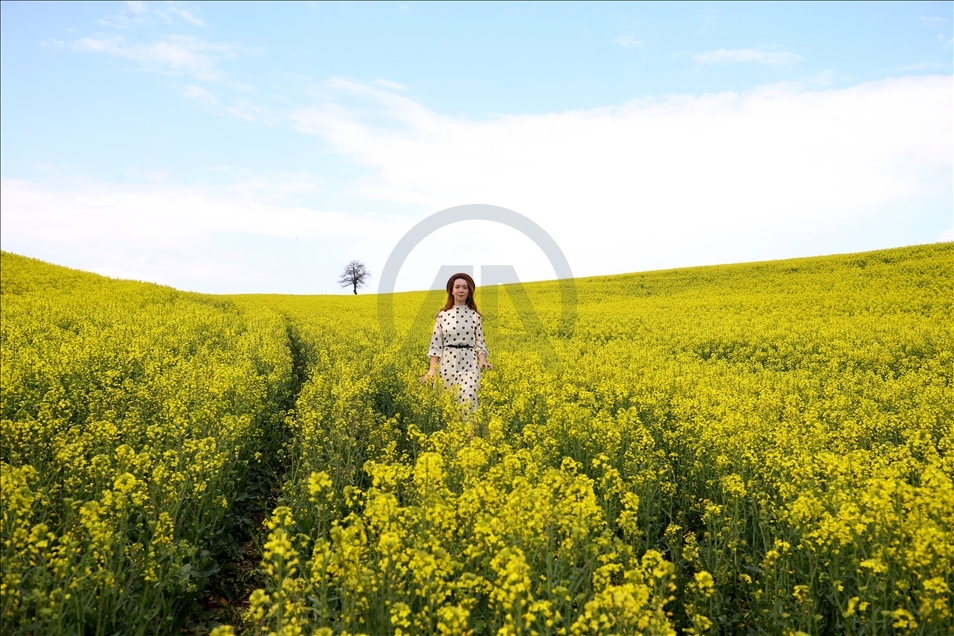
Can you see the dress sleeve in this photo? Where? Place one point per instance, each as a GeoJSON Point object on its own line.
{"type": "Point", "coordinates": [437, 339]}
{"type": "Point", "coordinates": [480, 346]}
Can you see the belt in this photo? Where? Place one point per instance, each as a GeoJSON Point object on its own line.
{"type": "Point", "coordinates": [456, 346]}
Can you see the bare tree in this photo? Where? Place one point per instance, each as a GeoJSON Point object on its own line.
{"type": "Point", "coordinates": [355, 275]}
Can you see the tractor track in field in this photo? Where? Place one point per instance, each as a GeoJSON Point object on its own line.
{"type": "Point", "coordinates": [225, 598]}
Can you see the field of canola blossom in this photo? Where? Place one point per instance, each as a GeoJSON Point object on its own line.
{"type": "Point", "coordinates": [132, 416]}
{"type": "Point", "coordinates": [761, 448]}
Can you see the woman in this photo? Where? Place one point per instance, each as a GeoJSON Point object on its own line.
{"type": "Point", "coordinates": [457, 350]}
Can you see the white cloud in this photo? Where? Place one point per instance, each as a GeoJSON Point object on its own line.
{"type": "Point", "coordinates": [920, 66]}
{"type": "Point", "coordinates": [654, 183]}
{"type": "Point", "coordinates": [200, 95]}
{"type": "Point", "coordinates": [139, 13]}
{"type": "Point", "coordinates": [134, 13]}
{"type": "Point", "coordinates": [822, 78]}
{"type": "Point", "coordinates": [192, 238]}
{"type": "Point", "coordinates": [177, 54]}
{"type": "Point", "coordinates": [181, 12]}
{"type": "Point", "coordinates": [759, 56]}
{"type": "Point", "coordinates": [394, 86]}
{"type": "Point", "coordinates": [946, 236]}
{"type": "Point", "coordinates": [627, 41]}
{"type": "Point", "coordinates": [234, 239]}
{"type": "Point", "coordinates": [62, 211]}
{"type": "Point", "coordinates": [933, 21]}
{"type": "Point", "coordinates": [252, 113]}
{"type": "Point", "coordinates": [709, 22]}
{"type": "Point", "coordinates": [667, 182]}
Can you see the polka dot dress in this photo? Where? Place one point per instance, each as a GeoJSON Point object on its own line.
{"type": "Point", "coordinates": [458, 338]}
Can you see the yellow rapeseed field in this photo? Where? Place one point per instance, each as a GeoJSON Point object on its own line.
{"type": "Point", "coordinates": [762, 448]}
{"type": "Point", "coordinates": [130, 415]}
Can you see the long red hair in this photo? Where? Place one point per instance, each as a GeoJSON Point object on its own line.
{"type": "Point", "coordinates": [450, 292]}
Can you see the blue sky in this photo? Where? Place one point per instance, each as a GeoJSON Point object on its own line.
{"type": "Point", "coordinates": [259, 147]}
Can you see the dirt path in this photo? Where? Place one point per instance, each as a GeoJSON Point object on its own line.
{"type": "Point", "coordinates": [224, 599]}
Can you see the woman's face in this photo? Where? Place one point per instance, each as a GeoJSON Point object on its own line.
{"type": "Point", "coordinates": [460, 290]}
